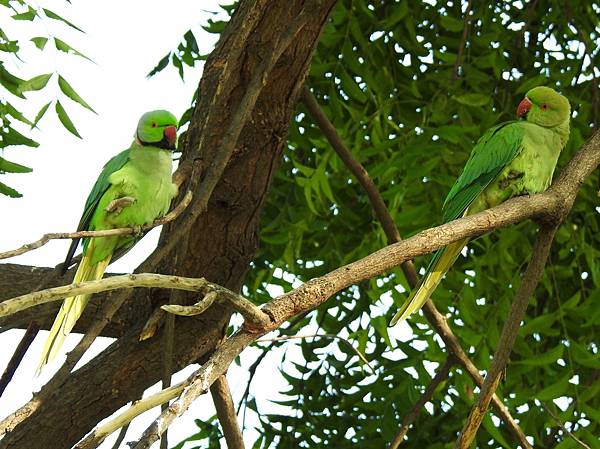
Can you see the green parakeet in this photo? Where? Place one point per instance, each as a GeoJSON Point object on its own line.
{"type": "Point", "coordinates": [133, 189]}
{"type": "Point", "coordinates": [510, 159]}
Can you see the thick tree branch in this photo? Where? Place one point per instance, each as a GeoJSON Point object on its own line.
{"type": "Point", "coordinates": [103, 233]}
{"type": "Point", "coordinates": [439, 377]}
{"type": "Point", "coordinates": [532, 276]}
{"type": "Point", "coordinates": [221, 396]}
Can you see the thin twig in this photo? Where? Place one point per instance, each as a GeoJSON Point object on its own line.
{"type": "Point", "coordinates": [253, 316]}
{"type": "Point", "coordinates": [439, 377]}
{"type": "Point", "coordinates": [463, 40]}
{"type": "Point", "coordinates": [15, 360]}
{"type": "Point", "coordinates": [102, 233]}
{"type": "Point", "coordinates": [195, 309]}
{"type": "Point", "coordinates": [435, 318]}
{"type": "Point", "coordinates": [121, 436]}
{"type": "Point", "coordinates": [221, 395]}
{"type": "Point", "coordinates": [532, 276]}
{"type": "Point", "coordinates": [564, 429]}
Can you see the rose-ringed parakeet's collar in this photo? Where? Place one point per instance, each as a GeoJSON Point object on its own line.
{"type": "Point", "coordinates": [157, 129]}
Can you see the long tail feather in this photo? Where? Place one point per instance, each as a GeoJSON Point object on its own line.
{"type": "Point", "coordinates": [71, 309]}
{"type": "Point", "coordinates": [431, 280]}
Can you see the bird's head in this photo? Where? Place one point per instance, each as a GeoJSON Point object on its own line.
{"type": "Point", "coordinates": [157, 129]}
{"type": "Point", "coordinates": [545, 107]}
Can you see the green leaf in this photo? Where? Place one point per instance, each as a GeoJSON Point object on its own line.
{"type": "Point", "coordinates": [555, 390]}
{"type": "Point", "coordinates": [10, 109]}
{"type": "Point", "coordinates": [476, 100]}
{"type": "Point", "coordinates": [30, 14]}
{"type": "Point", "coordinates": [8, 191]}
{"type": "Point", "coordinates": [160, 66]}
{"type": "Point", "coordinates": [40, 42]}
{"type": "Point", "coordinates": [494, 432]}
{"type": "Point", "coordinates": [63, 46]}
{"type": "Point", "coordinates": [452, 24]}
{"type": "Point", "coordinates": [14, 137]}
{"type": "Point", "coordinates": [10, 82]}
{"type": "Point", "coordinates": [53, 15]}
{"type": "Point", "coordinates": [40, 114]}
{"type": "Point", "coordinates": [65, 120]}
{"type": "Point", "coordinates": [544, 359]}
{"type": "Point", "coordinates": [35, 83]}
{"type": "Point", "coordinates": [12, 167]}
{"type": "Point", "coordinates": [70, 92]}
{"type": "Point", "coordinates": [351, 88]}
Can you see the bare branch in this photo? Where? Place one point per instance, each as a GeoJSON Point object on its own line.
{"type": "Point", "coordinates": [439, 377]}
{"type": "Point", "coordinates": [557, 420]}
{"type": "Point", "coordinates": [221, 395]}
{"type": "Point", "coordinates": [510, 330]}
{"type": "Point", "coordinates": [194, 309]}
{"type": "Point", "coordinates": [103, 233]}
{"type": "Point", "coordinates": [150, 280]}
{"type": "Point", "coordinates": [15, 360]}
{"type": "Point", "coordinates": [99, 434]}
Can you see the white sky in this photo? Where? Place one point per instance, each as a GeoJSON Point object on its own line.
{"type": "Point", "coordinates": [125, 39]}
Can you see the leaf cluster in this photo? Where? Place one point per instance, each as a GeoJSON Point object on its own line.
{"type": "Point", "coordinates": [14, 88]}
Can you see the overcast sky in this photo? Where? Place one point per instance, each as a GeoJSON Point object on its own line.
{"type": "Point", "coordinates": [125, 40]}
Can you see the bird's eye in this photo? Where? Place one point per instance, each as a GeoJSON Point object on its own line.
{"type": "Point", "coordinates": [153, 124]}
{"type": "Point", "coordinates": [544, 106]}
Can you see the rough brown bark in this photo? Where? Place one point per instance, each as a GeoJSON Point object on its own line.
{"type": "Point", "coordinates": [223, 240]}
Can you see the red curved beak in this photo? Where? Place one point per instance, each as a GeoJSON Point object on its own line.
{"type": "Point", "coordinates": [171, 134]}
{"type": "Point", "coordinates": [524, 107]}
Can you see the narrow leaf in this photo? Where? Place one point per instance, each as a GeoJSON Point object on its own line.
{"type": "Point", "coordinates": [70, 92]}
{"type": "Point", "coordinates": [40, 42]}
{"type": "Point", "coordinates": [11, 110]}
{"type": "Point", "coordinates": [53, 15]}
{"type": "Point", "coordinates": [36, 83]}
{"type": "Point", "coordinates": [40, 114]}
{"type": "Point", "coordinates": [160, 66]}
{"type": "Point", "coordinates": [14, 137]}
{"type": "Point", "coordinates": [29, 15]}
{"type": "Point", "coordinates": [8, 191]}
{"type": "Point", "coordinates": [63, 46]}
{"type": "Point", "coordinates": [65, 120]}
{"type": "Point", "coordinates": [472, 99]}
{"type": "Point", "coordinates": [10, 82]}
{"type": "Point", "coordinates": [12, 167]}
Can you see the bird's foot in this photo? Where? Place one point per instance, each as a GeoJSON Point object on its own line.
{"type": "Point", "coordinates": [118, 204]}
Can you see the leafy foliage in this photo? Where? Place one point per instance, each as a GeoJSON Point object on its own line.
{"type": "Point", "coordinates": [15, 88]}
{"type": "Point", "coordinates": [410, 86]}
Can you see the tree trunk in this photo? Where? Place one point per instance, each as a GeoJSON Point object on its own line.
{"type": "Point", "coordinates": [223, 240]}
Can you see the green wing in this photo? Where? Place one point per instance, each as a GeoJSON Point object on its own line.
{"type": "Point", "coordinates": [491, 154]}
{"type": "Point", "coordinates": [99, 189]}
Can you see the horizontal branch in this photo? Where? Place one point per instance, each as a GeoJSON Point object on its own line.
{"type": "Point", "coordinates": [149, 280]}
{"type": "Point", "coordinates": [102, 233]}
